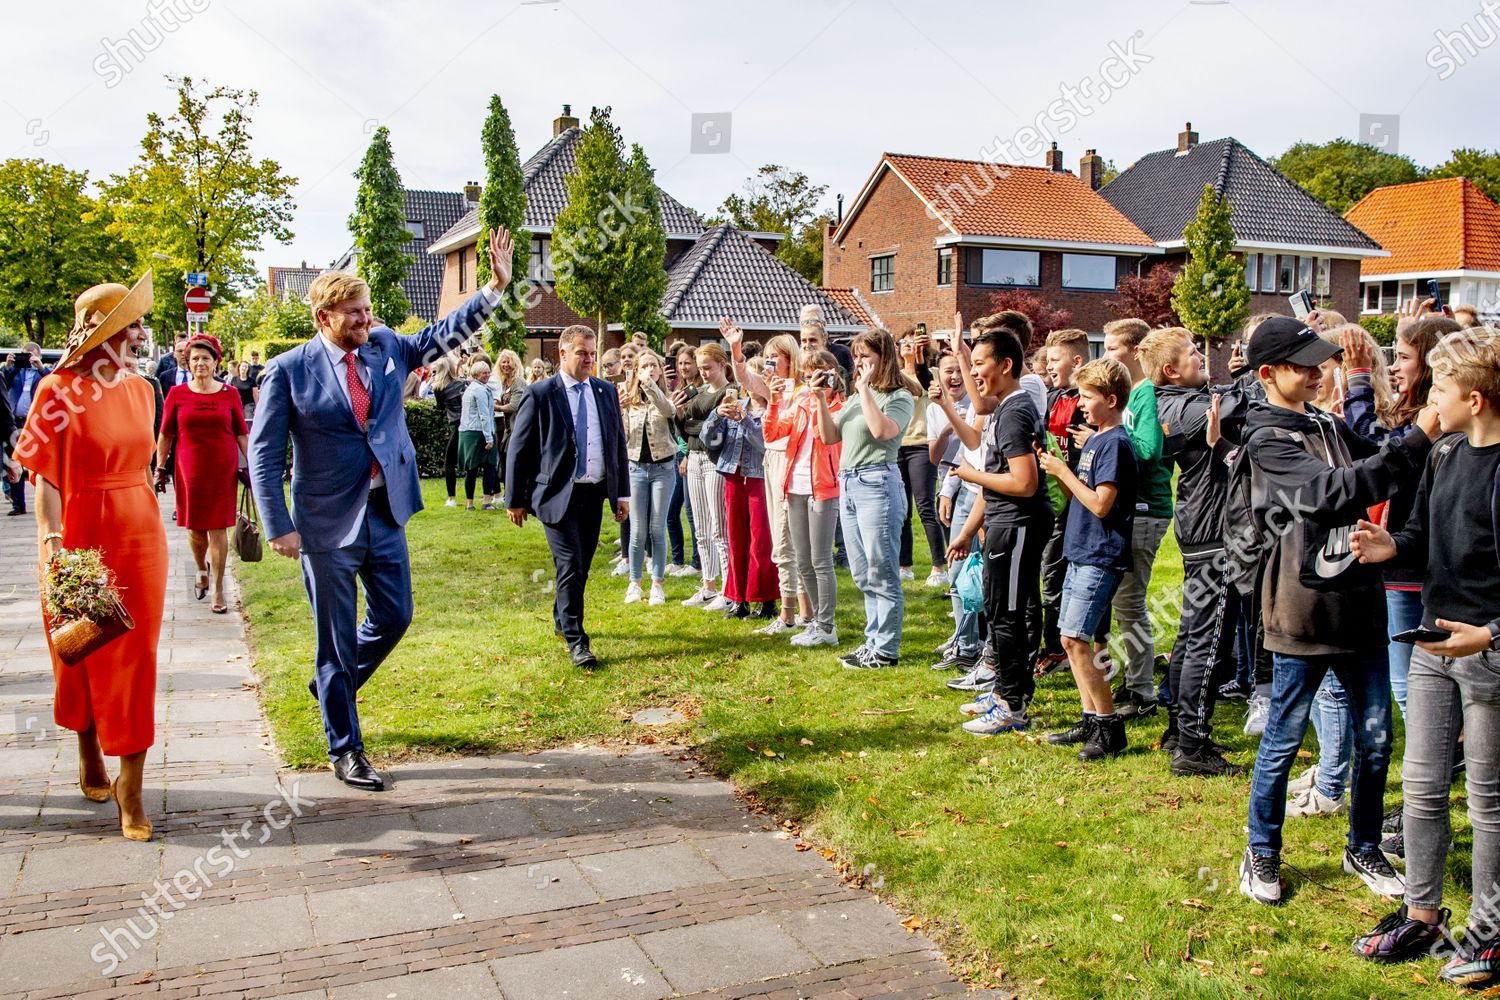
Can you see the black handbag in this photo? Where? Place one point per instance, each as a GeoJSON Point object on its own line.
{"type": "Point", "coordinates": [247, 541]}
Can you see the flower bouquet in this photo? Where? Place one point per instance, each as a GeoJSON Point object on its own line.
{"type": "Point", "coordinates": [82, 606]}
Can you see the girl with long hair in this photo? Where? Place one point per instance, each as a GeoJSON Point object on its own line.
{"type": "Point", "coordinates": [652, 450]}
{"type": "Point", "coordinates": [705, 485]}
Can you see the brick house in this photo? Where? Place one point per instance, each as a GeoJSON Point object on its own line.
{"type": "Point", "coordinates": [1446, 231]}
{"type": "Point", "coordinates": [928, 235]}
{"type": "Point", "coordinates": [290, 282]}
{"type": "Point", "coordinates": [428, 214]}
{"type": "Point", "coordinates": [1289, 240]}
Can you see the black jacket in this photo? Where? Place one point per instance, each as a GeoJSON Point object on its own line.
{"type": "Point", "coordinates": [1312, 480]}
{"type": "Point", "coordinates": [1203, 471]}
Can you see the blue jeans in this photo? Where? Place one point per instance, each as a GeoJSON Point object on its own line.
{"type": "Point", "coordinates": [966, 623]}
{"type": "Point", "coordinates": [1331, 721]}
{"type": "Point", "coordinates": [674, 517]}
{"type": "Point", "coordinates": [1294, 684]}
{"type": "Point", "coordinates": [650, 491]}
{"type": "Point", "coordinates": [1086, 593]}
{"type": "Point", "coordinates": [1403, 609]}
{"type": "Point", "coordinates": [873, 504]}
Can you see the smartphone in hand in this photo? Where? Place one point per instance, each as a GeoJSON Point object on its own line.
{"type": "Point", "coordinates": [1420, 634]}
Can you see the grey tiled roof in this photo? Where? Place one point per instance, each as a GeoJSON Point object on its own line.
{"type": "Point", "coordinates": [1160, 194]}
{"type": "Point", "coordinates": [292, 282]}
{"type": "Point", "coordinates": [545, 180]}
{"type": "Point", "coordinates": [437, 211]}
{"type": "Point", "coordinates": [728, 273]}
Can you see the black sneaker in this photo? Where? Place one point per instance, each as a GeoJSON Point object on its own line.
{"type": "Point", "coordinates": [952, 659]}
{"type": "Point", "coordinates": [1376, 872]}
{"type": "Point", "coordinates": [1260, 877]}
{"type": "Point", "coordinates": [1134, 706]}
{"type": "Point", "coordinates": [1048, 663]}
{"type": "Point", "coordinates": [1476, 961]}
{"type": "Point", "coordinates": [1399, 938]}
{"type": "Point", "coordinates": [1205, 763]}
{"type": "Point", "coordinates": [766, 611]}
{"type": "Point", "coordinates": [866, 658]}
{"type": "Point", "coordinates": [1072, 737]}
{"type": "Point", "coordinates": [1107, 739]}
{"type": "Point", "coordinates": [737, 609]}
{"type": "Point", "coordinates": [1234, 691]}
{"type": "Point", "coordinates": [1391, 821]}
{"type": "Point", "coordinates": [1169, 739]}
{"type": "Point", "coordinates": [1394, 846]}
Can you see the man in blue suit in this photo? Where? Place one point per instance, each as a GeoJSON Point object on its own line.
{"type": "Point", "coordinates": [566, 457]}
{"type": "Point", "coordinates": [354, 482]}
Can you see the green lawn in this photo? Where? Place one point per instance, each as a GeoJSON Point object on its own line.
{"type": "Point", "coordinates": [1034, 871]}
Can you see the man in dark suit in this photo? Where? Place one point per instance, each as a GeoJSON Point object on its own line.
{"type": "Point", "coordinates": [337, 398]}
{"type": "Point", "coordinates": [566, 457]}
{"type": "Point", "coordinates": [172, 369]}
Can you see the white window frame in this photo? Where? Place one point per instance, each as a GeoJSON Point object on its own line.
{"type": "Point", "coordinates": [1114, 270]}
{"type": "Point", "coordinates": [1252, 271]}
{"type": "Point", "coordinates": [1365, 308]}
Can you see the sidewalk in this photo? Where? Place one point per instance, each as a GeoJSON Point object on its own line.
{"type": "Point", "coordinates": [580, 873]}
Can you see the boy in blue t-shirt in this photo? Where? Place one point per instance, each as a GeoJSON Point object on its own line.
{"type": "Point", "coordinates": [1097, 548]}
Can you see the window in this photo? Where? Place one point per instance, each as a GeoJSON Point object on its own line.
{"type": "Point", "coordinates": [416, 228]}
{"type": "Point", "coordinates": [1324, 282]}
{"type": "Point", "coordinates": [539, 260]}
{"type": "Point", "coordinates": [882, 273]}
{"type": "Point", "coordinates": [1004, 267]}
{"type": "Point", "coordinates": [1268, 272]}
{"type": "Point", "coordinates": [1286, 274]}
{"type": "Point", "coordinates": [1090, 272]}
{"type": "Point", "coordinates": [463, 263]}
{"type": "Point", "coordinates": [1305, 273]}
{"type": "Point", "coordinates": [1405, 292]}
{"type": "Point", "coordinates": [1252, 271]}
{"type": "Point", "coordinates": [1372, 298]}
{"type": "Point", "coordinates": [945, 266]}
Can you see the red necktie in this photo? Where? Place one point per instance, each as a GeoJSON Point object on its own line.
{"type": "Point", "coordinates": [359, 397]}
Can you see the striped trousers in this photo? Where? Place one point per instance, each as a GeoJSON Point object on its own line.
{"type": "Point", "coordinates": [706, 494]}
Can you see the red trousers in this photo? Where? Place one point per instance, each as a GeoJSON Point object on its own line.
{"type": "Point", "coordinates": [751, 575]}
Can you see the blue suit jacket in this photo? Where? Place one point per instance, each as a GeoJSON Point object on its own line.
{"type": "Point", "coordinates": [301, 398]}
{"type": "Point", "coordinates": [540, 460]}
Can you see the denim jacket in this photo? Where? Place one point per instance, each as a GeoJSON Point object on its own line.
{"type": "Point", "coordinates": [738, 445]}
{"type": "Point", "coordinates": [479, 411]}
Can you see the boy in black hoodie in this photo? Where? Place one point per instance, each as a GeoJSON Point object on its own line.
{"type": "Point", "coordinates": [1311, 481]}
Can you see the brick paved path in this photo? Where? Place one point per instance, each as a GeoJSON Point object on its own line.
{"type": "Point", "coordinates": [579, 874]}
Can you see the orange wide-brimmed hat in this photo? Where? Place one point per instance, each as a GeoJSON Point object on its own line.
{"type": "Point", "coordinates": [103, 311]}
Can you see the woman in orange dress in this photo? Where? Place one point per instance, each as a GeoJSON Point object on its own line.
{"type": "Point", "coordinates": [88, 443]}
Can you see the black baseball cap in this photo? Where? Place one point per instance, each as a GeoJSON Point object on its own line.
{"type": "Point", "coordinates": [1284, 340]}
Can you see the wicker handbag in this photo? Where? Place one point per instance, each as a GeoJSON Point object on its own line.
{"type": "Point", "coordinates": [247, 541]}
{"type": "Point", "coordinates": [78, 637]}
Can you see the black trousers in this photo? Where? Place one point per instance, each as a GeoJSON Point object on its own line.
{"type": "Point", "coordinates": [1203, 656]}
{"type": "Point", "coordinates": [1012, 573]}
{"type": "Point", "coordinates": [573, 542]}
{"type": "Point", "coordinates": [450, 463]}
{"type": "Point", "coordinates": [919, 477]}
{"type": "Point", "coordinates": [489, 474]}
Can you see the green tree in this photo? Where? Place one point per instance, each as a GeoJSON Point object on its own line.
{"type": "Point", "coordinates": [781, 200]}
{"type": "Point", "coordinates": [197, 199]}
{"type": "Point", "coordinates": [644, 250]}
{"type": "Point", "coordinates": [1479, 166]}
{"type": "Point", "coordinates": [503, 203]}
{"type": "Point", "coordinates": [590, 266]}
{"type": "Point", "coordinates": [378, 224]}
{"type": "Point", "coordinates": [54, 243]}
{"type": "Point", "coordinates": [1339, 173]}
{"type": "Point", "coordinates": [1210, 294]}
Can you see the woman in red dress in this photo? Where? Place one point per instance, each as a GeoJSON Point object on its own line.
{"type": "Point", "coordinates": [88, 443]}
{"type": "Point", "coordinates": [206, 418]}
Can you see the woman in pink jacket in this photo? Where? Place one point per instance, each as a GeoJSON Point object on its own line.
{"type": "Point", "coordinates": [812, 487]}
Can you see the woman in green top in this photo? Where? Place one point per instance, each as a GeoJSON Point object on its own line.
{"type": "Point", "coordinates": [705, 485]}
{"type": "Point", "coordinates": [872, 498]}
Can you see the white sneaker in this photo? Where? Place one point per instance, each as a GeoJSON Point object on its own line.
{"type": "Point", "coordinates": [776, 627]}
{"type": "Point", "coordinates": [1260, 878]}
{"type": "Point", "coordinates": [717, 604]}
{"type": "Point", "coordinates": [1302, 782]}
{"type": "Point", "coordinates": [1312, 802]}
{"type": "Point", "coordinates": [450, 502]}
{"type": "Point", "coordinates": [814, 635]}
{"type": "Point", "coordinates": [621, 568]}
{"type": "Point", "coordinates": [633, 592]}
{"type": "Point", "coordinates": [683, 571]}
{"type": "Point", "coordinates": [937, 578]}
{"type": "Point", "coordinates": [658, 596]}
{"type": "Point", "coordinates": [907, 575]}
{"type": "Point", "coordinates": [699, 599]}
{"type": "Point", "coordinates": [1258, 716]}
{"type": "Point", "coordinates": [615, 542]}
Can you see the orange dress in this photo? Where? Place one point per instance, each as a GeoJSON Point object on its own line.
{"type": "Point", "coordinates": [93, 442]}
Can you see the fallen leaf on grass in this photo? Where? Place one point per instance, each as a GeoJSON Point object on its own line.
{"type": "Point", "coordinates": [770, 753]}
{"type": "Point", "coordinates": [886, 711]}
{"type": "Point", "coordinates": [804, 741]}
{"type": "Point", "coordinates": [912, 924]}
{"type": "Point", "coordinates": [1417, 977]}
{"type": "Point", "coordinates": [1196, 904]}
{"type": "Point", "coordinates": [803, 847]}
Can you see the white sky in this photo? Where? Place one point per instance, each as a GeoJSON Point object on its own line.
{"type": "Point", "coordinates": [820, 85]}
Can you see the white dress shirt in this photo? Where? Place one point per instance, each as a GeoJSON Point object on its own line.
{"type": "Point", "coordinates": [583, 407]}
{"type": "Point", "coordinates": [335, 355]}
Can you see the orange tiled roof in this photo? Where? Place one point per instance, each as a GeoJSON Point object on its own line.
{"type": "Point", "coordinates": [1441, 225]}
{"type": "Point", "coordinates": [983, 199]}
{"type": "Point", "coordinates": [850, 300]}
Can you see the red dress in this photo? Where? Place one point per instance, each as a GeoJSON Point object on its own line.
{"type": "Point", "coordinates": [94, 444]}
{"type": "Point", "coordinates": [208, 456]}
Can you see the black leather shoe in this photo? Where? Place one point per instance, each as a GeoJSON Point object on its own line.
{"type": "Point", "coordinates": [312, 687]}
{"type": "Point", "coordinates": [737, 609]}
{"type": "Point", "coordinates": [355, 770]}
{"type": "Point", "coordinates": [766, 611]}
{"type": "Point", "coordinates": [582, 656]}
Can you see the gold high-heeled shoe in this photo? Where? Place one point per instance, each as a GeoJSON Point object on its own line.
{"type": "Point", "coordinates": [130, 831]}
{"type": "Point", "coordinates": [93, 793]}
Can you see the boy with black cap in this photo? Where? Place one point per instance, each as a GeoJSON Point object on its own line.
{"type": "Point", "coordinates": [1311, 480]}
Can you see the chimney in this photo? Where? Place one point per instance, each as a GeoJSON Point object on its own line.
{"type": "Point", "coordinates": [471, 192]}
{"type": "Point", "coordinates": [564, 121]}
{"type": "Point", "coordinates": [304, 265]}
{"type": "Point", "coordinates": [1091, 169]}
{"type": "Point", "coordinates": [841, 208]}
{"type": "Point", "coordinates": [1187, 138]}
{"type": "Point", "coordinates": [1054, 159]}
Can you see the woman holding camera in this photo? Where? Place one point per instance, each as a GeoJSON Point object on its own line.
{"type": "Point", "coordinates": [705, 486]}
{"type": "Point", "coordinates": [652, 450]}
{"type": "Point", "coordinates": [870, 426]}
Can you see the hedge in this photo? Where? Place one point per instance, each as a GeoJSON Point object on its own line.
{"type": "Point", "coordinates": [429, 433]}
{"type": "Point", "coordinates": [275, 347]}
{"type": "Point", "coordinates": [1382, 328]}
